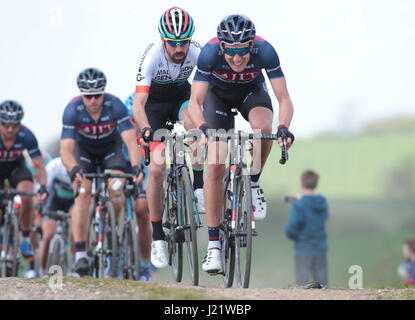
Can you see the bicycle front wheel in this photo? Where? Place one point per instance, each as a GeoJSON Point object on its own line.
{"type": "Point", "coordinates": [243, 232]}
{"type": "Point", "coordinates": [189, 224]}
{"type": "Point", "coordinates": [226, 238]}
{"type": "Point", "coordinates": [108, 259]}
{"type": "Point", "coordinates": [10, 249]}
{"type": "Point", "coordinates": [173, 235]}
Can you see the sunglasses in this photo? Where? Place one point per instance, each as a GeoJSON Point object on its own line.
{"type": "Point", "coordinates": [90, 96]}
{"type": "Point", "coordinates": [240, 51]}
{"type": "Point", "coordinates": [8, 125]}
{"type": "Point", "coordinates": [176, 43]}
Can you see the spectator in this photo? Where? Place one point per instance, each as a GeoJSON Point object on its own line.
{"type": "Point", "coordinates": [306, 227]}
{"type": "Point", "coordinates": [406, 269]}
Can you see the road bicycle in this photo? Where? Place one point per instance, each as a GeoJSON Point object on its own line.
{"type": "Point", "coordinates": [58, 253]}
{"type": "Point", "coordinates": [237, 226]}
{"type": "Point", "coordinates": [10, 244]}
{"type": "Point", "coordinates": [180, 216]}
{"type": "Point", "coordinates": [102, 236]}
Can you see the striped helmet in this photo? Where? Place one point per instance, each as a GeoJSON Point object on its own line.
{"type": "Point", "coordinates": [176, 24]}
{"type": "Point", "coordinates": [236, 29]}
{"type": "Point", "coordinates": [11, 111]}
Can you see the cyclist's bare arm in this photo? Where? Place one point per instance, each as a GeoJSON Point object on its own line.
{"type": "Point", "coordinates": [139, 111]}
{"type": "Point", "coordinates": [40, 170]}
{"type": "Point", "coordinates": [129, 138]}
{"type": "Point", "coordinates": [197, 96]}
{"type": "Point", "coordinates": [67, 150]}
{"type": "Point", "coordinates": [286, 109]}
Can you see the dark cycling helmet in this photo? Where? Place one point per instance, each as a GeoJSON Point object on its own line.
{"type": "Point", "coordinates": [236, 29]}
{"type": "Point", "coordinates": [11, 111]}
{"type": "Point", "coordinates": [176, 24]}
{"type": "Point", "coordinates": [91, 79]}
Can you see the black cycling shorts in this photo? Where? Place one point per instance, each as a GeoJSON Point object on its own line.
{"type": "Point", "coordinates": [16, 173]}
{"type": "Point", "coordinates": [218, 104]}
{"type": "Point", "coordinates": [159, 111]}
{"type": "Point", "coordinates": [105, 157]}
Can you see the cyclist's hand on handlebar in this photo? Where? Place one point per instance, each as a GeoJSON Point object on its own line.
{"type": "Point", "coordinates": [284, 133]}
{"type": "Point", "coordinates": [77, 176]}
{"type": "Point", "coordinates": [42, 193]}
{"type": "Point", "coordinates": [138, 175]}
{"type": "Point", "coordinates": [145, 137]}
{"type": "Point", "coordinates": [204, 136]}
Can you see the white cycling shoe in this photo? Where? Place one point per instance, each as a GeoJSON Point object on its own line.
{"type": "Point", "coordinates": [212, 262]}
{"type": "Point", "coordinates": [159, 254]}
{"type": "Point", "coordinates": [259, 203]}
{"type": "Point", "coordinates": [200, 200]}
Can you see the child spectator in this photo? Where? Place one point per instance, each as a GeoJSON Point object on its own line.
{"type": "Point", "coordinates": [406, 269]}
{"type": "Point", "coordinates": [306, 227]}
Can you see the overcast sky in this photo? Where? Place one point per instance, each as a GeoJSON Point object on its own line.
{"type": "Point", "coordinates": [346, 62]}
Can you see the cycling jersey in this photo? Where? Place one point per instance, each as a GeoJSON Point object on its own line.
{"type": "Point", "coordinates": [58, 180]}
{"type": "Point", "coordinates": [10, 158]}
{"type": "Point", "coordinates": [212, 66]}
{"type": "Point", "coordinates": [79, 125]}
{"type": "Point", "coordinates": [160, 78]}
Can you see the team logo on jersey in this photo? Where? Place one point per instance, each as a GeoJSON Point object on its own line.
{"type": "Point", "coordinates": [96, 131]}
{"type": "Point", "coordinates": [10, 155]}
{"type": "Point", "coordinates": [242, 77]}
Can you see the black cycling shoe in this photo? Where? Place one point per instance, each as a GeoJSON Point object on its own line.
{"type": "Point", "coordinates": [82, 267]}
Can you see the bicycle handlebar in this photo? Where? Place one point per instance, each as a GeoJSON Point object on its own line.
{"type": "Point", "coordinates": [15, 192]}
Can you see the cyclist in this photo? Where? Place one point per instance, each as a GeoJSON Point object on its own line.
{"type": "Point", "coordinates": [90, 140]}
{"type": "Point", "coordinates": [14, 139]}
{"type": "Point", "coordinates": [162, 93]}
{"type": "Point", "coordinates": [60, 197]}
{"type": "Point", "coordinates": [30, 272]}
{"type": "Point", "coordinates": [141, 208]}
{"type": "Point", "coordinates": [229, 75]}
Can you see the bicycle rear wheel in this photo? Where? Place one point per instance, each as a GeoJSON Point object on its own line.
{"type": "Point", "coordinates": [243, 232]}
{"type": "Point", "coordinates": [130, 246]}
{"type": "Point", "coordinates": [174, 243]}
{"type": "Point", "coordinates": [189, 223]}
{"type": "Point", "coordinates": [54, 253]}
{"type": "Point", "coordinates": [109, 252]}
{"type": "Point", "coordinates": [226, 237]}
{"type": "Point", "coordinates": [10, 259]}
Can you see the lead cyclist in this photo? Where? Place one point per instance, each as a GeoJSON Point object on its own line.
{"type": "Point", "coordinates": [162, 93]}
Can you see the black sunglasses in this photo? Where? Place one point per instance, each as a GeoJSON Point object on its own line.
{"type": "Point", "coordinates": [8, 125]}
{"type": "Point", "coordinates": [90, 96]}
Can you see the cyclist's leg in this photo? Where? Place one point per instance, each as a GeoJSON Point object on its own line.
{"type": "Point", "coordinates": [21, 179]}
{"type": "Point", "coordinates": [219, 117]}
{"type": "Point", "coordinates": [113, 159]}
{"type": "Point", "coordinates": [80, 218]}
{"type": "Point", "coordinates": [257, 109]}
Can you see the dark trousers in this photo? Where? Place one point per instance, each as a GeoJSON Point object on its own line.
{"type": "Point", "coordinates": [307, 267]}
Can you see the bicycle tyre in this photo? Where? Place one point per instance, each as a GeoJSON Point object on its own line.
{"type": "Point", "coordinates": [109, 223]}
{"type": "Point", "coordinates": [130, 245]}
{"type": "Point", "coordinates": [92, 242]}
{"type": "Point", "coordinates": [189, 222]}
{"type": "Point", "coordinates": [243, 232]}
{"type": "Point", "coordinates": [226, 237]}
{"type": "Point", "coordinates": [170, 216]}
{"type": "Point", "coordinates": [54, 254]}
{"type": "Point", "coordinates": [10, 264]}
{"type": "Point", "coordinates": [136, 247]}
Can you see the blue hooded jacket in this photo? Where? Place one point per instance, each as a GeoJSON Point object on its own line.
{"type": "Point", "coordinates": [306, 225]}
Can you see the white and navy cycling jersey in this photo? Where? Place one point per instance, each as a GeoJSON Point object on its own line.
{"type": "Point", "coordinates": [79, 125]}
{"type": "Point", "coordinates": [25, 139]}
{"type": "Point", "coordinates": [161, 78]}
{"type": "Point", "coordinates": [58, 180]}
{"type": "Point", "coordinates": [213, 68]}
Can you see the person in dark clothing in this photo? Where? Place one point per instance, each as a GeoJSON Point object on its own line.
{"type": "Point", "coordinates": [306, 227]}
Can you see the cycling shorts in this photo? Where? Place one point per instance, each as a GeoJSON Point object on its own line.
{"type": "Point", "coordinates": [105, 157]}
{"type": "Point", "coordinates": [17, 173]}
{"type": "Point", "coordinates": [218, 104]}
{"type": "Point", "coordinates": [55, 203]}
{"type": "Point", "coordinates": [160, 111]}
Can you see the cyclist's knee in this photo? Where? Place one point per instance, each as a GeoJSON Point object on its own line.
{"type": "Point", "coordinates": [215, 171]}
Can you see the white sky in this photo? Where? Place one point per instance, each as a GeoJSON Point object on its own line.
{"type": "Point", "coordinates": [346, 62]}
